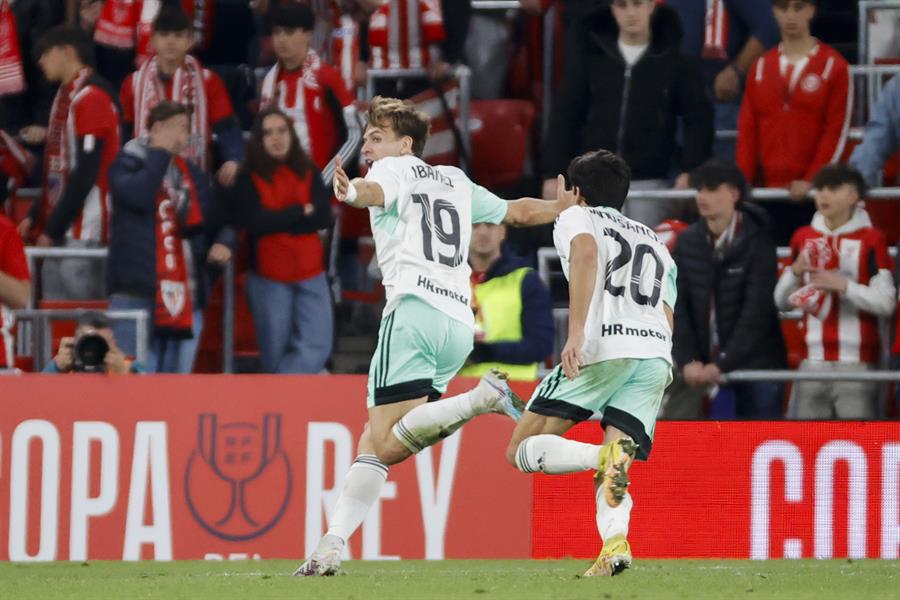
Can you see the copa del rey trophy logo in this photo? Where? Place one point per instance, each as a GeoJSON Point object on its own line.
{"type": "Point", "coordinates": [238, 479]}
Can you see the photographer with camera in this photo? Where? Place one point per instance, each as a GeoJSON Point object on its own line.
{"type": "Point", "coordinates": [92, 350]}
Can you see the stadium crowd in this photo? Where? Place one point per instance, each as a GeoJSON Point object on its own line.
{"type": "Point", "coordinates": [188, 135]}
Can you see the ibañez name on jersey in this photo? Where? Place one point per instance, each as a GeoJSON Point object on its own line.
{"type": "Point", "coordinates": [428, 172]}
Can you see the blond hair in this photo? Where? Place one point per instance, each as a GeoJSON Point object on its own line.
{"type": "Point", "coordinates": [403, 118]}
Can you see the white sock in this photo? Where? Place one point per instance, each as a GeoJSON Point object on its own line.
{"type": "Point", "coordinates": [361, 489]}
{"type": "Point", "coordinates": [612, 520]}
{"type": "Point", "coordinates": [429, 423]}
{"type": "Point", "coordinates": [553, 455]}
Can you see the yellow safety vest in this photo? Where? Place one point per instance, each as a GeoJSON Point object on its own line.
{"type": "Point", "coordinates": [499, 302]}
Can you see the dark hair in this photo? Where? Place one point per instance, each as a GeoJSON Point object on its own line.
{"type": "Point", "coordinates": [291, 16]}
{"type": "Point", "coordinates": [165, 110]}
{"type": "Point", "coordinates": [95, 319]}
{"type": "Point", "coordinates": [713, 173]}
{"type": "Point", "coordinates": [835, 175]}
{"type": "Point", "coordinates": [401, 116]}
{"type": "Point", "coordinates": [65, 35]}
{"type": "Point", "coordinates": [783, 3]}
{"type": "Point", "coordinates": [260, 162]}
{"type": "Point", "coordinates": [602, 178]}
{"type": "Point", "coordinates": [171, 19]}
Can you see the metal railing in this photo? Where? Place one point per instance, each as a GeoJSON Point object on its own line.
{"type": "Point", "coordinates": [763, 194]}
{"type": "Point", "coordinates": [41, 337]}
{"type": "Point", "coordinates": [496, 5]}
{"type": "Point", "coordinates": [462, 74]}
{"type": "Point", "coordinates": [788, 375]}
{"type": "Point", "coordinates": [35, 254]}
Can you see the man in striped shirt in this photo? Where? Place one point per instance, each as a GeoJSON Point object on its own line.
{"type": "Point", "coordinates": [310, 91]}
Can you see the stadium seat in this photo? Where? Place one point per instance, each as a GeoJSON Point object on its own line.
{"type": "Point", "coordinates": [500, 139]}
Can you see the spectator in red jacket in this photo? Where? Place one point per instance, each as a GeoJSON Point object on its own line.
{"type": "Point", "coordinates": [282, 202]}
{"type": "Point", "coordinates": [15, 285]}
{"type": "Point", "coordinates": [841, 279]}
{"type": "Point", "coordinates": [796, 111]}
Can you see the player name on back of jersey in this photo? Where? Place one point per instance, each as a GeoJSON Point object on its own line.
{"type": "Point", "coordinates": [623, 222]}
{"type": "Point", "coordinates": [426, 172]}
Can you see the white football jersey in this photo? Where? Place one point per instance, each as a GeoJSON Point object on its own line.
{"type": "Point", "coordinates": [635, 277]}
{"type": "Point", "coordinates": [423, 231]}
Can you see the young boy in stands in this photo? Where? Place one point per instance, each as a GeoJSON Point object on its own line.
{"type": "Point", "coordinates": [841, 279]}
{"type": "Point", "coordinates": [173, 74]}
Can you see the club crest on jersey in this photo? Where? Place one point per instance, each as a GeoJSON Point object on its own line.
{"type": "Point", "coordinates": [173, 296]}
{"type": "Point", "coordinates": [811, 83]}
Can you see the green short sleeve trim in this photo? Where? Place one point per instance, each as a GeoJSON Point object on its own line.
{"type": "Point", "coordinates": [487, 207]}
{"type": "Point", "coordinates": [670, 292]}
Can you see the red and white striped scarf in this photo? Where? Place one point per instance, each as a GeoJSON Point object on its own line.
{"type": "Point", "coordinates": [272, 93]}
{"type": "Point", "coordinates": [823, 254]}
{"type": "Point", "coordinates": [187, 88]}
{"type": "Point", "coordinates": [177, 195]}
{"type": "Point", "coordinates": [59, 150]}
{"type": "Point", "coordinates": [715, 35]}
{"type": "Point", "coordinates": [12, 74]}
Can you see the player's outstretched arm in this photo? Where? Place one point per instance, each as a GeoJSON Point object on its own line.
{"type": "Point", "coordinates": [358, 193]}
{"type": "Point", "coordinates": [526, 212]}
{"type": "Point", "coordinates": [582, 279]}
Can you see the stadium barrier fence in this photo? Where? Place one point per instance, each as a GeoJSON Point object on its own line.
{"type": "Point", "coordinates": [35, 254]}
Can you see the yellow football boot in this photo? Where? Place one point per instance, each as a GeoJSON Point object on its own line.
{"type": "Point", "coordinates": [614, 558]}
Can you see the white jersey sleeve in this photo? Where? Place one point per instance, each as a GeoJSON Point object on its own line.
{"type": "Point", "coordinates": [571, 222]}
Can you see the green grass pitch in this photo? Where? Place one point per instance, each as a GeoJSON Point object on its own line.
{"type": "Point", "coordinates": [450, 579]}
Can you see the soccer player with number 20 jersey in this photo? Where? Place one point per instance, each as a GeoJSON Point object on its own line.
{"type": "Point", "coordinates": [618, 356]}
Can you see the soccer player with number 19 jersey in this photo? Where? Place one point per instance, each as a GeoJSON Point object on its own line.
{"type": "Point", "coordinates": [618, 356]}
{"type": "Point", "coordinates": [422, 220]}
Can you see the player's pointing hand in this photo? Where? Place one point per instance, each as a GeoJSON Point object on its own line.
{"type": "Point", "coordinates": [341, 182]}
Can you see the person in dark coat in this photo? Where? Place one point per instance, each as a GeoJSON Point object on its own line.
{"type": "Point", "coordinates": [166, 226]}
{"type": "Point", "coordinates": [625, 83]}
{"type": "Point", "coordinates": [726, 318]}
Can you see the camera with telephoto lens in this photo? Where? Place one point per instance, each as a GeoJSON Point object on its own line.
{"type": "Point", "coordinates": [90, 354]}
